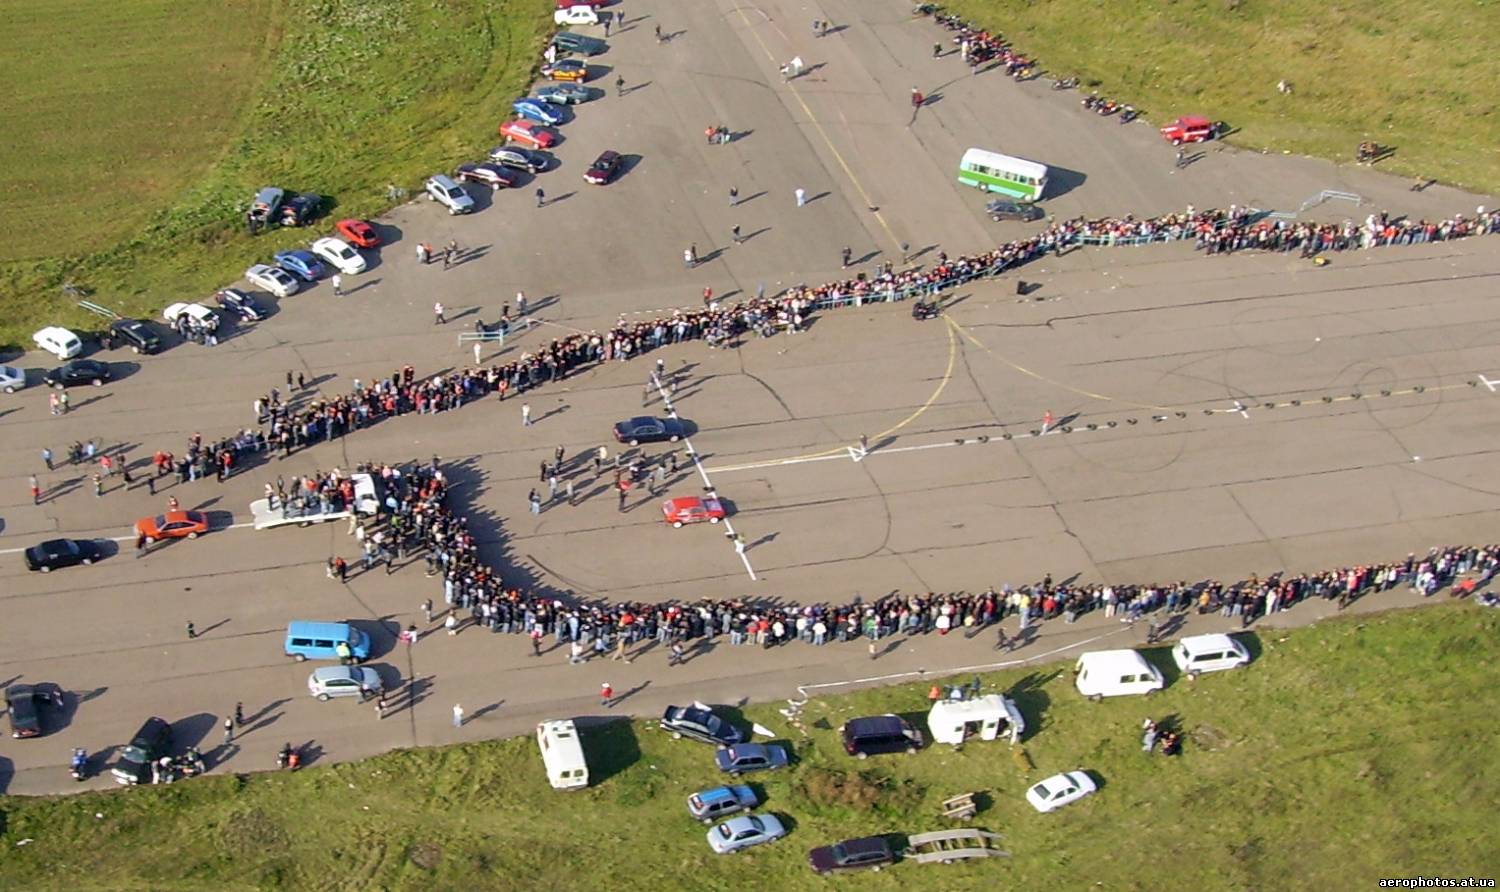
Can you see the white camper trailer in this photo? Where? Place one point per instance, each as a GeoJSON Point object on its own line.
{"type": "Point", "coordinates": [562, 754]}
{"type": "Point", "coordinates": [984, 718]}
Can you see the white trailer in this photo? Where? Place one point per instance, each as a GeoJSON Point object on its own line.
{"type": "Point", "coordinates": [987, 717]}
{"type": "Point", "coordinates": [366, 503]}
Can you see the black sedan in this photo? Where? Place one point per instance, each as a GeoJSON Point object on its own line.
{"type": "Point", "coordinates": [241, 304]}
{"type": "Point", "coordinates": [487, 173]}
{"type": "Point", "coordinates": [700, 724]}
{"type": "Point", "coordinates": [77, 372]}
{"type": "Point", "coordinates": [1005, 209]}
{"type": "Point", "coordinates": [645, 429]}
{"type": "Point", "coordinates": [56, 553]}
{"type": "Point", "coordinates": [21, 702]}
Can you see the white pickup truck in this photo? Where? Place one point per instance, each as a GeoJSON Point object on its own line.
{"type": "Point", "coordinates": [366, 502]}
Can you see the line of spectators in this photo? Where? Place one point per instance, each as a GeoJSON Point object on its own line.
{"type": "Point", "coordinates": [419, 520]}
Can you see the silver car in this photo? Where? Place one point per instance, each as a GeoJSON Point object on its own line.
{"type": "Point", "coordinates": [328, 682]}
{"type": "Point", "coordinates": [12, 379]}
{"type": "Point", "coordinates": [743, 832]}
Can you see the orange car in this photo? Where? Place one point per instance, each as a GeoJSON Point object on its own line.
{"type": "Point", "coordinates": [575, 70]}
{"type": "Point", "coordinates": [172, 525]}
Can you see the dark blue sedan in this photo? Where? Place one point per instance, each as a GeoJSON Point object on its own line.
{"type": "Point", "coordinates": [646, 429]}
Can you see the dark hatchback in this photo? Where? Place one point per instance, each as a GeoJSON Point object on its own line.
{"type": "Point", "coordinates": [54, 554]}
{"type": "Point", "coordinates": [21, 702]}
{"type": "Point", "coordinates": [870, 852]}
{"type": "Point", "coordinates": [645, 429]}
{"type": "Point", "coordinates": [1005, 209]}
{"type": "Point", "coordinates": [150, 743]}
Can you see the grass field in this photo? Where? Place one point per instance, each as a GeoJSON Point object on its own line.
{"type": "Point", "coordinates": [143, 131]}
{"type": "Point", "coordinates": [1347, 752]}
{"type": "Point", "coordinates": [1415, 76]}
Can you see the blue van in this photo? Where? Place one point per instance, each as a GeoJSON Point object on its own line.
{"type": "Point", "coordinates": [320, 641]}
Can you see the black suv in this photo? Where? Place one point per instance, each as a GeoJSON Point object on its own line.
{"type": "Point", "coordinates": [153, 741]}
{"type": "Point", "coordinates": [880, 734]}
{"type": "Point", "coordinates": [301, 209]}
{"type": "Point", "coordinates": [137, 333]}
{"type": "Point", "coordinates": [1005, 209]}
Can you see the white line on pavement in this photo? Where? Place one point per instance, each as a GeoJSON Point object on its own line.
{"type": "Point", "coordinates": [233, 526]}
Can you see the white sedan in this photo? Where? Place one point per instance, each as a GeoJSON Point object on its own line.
{"type": "Point", "coordinates": [576, 15]}
{"type": "Point", "coordinates": [269, 278]}
{"type": "Point", "coordinates": [1059, 790]}
{"type": "Point", "coordinates": [340, 255]}
{"type": "Point", "coordinates": [198, 313]}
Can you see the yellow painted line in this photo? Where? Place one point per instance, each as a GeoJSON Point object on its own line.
{"type": "Point", "coordinates": [840, 450]}
{"type": "Point", "coordinates": [792, 89]}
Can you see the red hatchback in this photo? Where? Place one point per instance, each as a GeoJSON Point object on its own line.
{"type": "Point", "coordinates": [172, 525]}
{"type": "Point", "coordinates": [529, 133]}
{"type": "Point", "coordinates": [358, 232]}
{"type": "Point", "coordinates": [691, 509]}
{"type": "Point", "coordinates": [1190, 128]}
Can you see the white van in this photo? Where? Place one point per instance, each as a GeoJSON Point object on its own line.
{"type": "Point", "coordinates": [1115, 673]}
{"type": "Point", "coordinates": [1209, 653]}
{"type": "Point", "coordinates": [562, 754]}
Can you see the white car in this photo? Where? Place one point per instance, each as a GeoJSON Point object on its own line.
{"type": "Point", "coordinates": [340, 255]}
{"type": "Point", "coordinates": [269, 278]}
{"type": "Point", "coordinates": [576, 15]}
{"type": "Point", "coordinates": [12, 379]}
{"type": "Point", "coordinates": [1214, 652]}
{"type": "Point", "coordinates": [58, 341]}
{"type": "Point", "coordinates": [441, 188]}
{"type": "Point", "coordinates": [201, 316]}
{"type": "Point", "coordinates": [1059, 790]}
{"type": "Point", "coordinates": [328, 682]}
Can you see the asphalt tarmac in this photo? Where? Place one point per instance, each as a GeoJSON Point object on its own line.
{"type": "Point", "coordinates": [1212, 417]}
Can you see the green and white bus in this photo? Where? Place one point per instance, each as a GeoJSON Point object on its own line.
{"type": "Point", "coordinates": [994, 172]}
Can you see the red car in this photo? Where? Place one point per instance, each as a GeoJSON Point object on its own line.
{"type": "Point", "coordinates": [603, 169]}
{"type": "Point", "coordinates": [691, 509]}
{"type": "Point", "coordinates": [358, 233]}
{"type": "Point", "coordinates": [1190, 128]}
{"type": "Point", "coordinates": [172, 525]}
{"type": "Point", "coordinates": [529, 133]}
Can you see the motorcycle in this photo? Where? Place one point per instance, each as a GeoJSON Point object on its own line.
{"type": "Point", "coordinates": [79, 766]}
{"type": "Point", "coordinates": [1106, 108]}
{"type": "Point", "coordinates": [1066, 83]}
{"type": "Point", "coordinates": [288, 758]}
{"type": "Point", "coordinates": [1128, 114]}
{"type": "Point", "coordinates": [192, 764]}
{"type": "Point", "coordinates": [1022, 74]}
{"type": "Point", "coordinates": [1090, 101]}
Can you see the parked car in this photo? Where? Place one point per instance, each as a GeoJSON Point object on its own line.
{"type": "Point", "coordinates": [21, 702]}
{"type": "Point", "coordinates": [529, 132]}
{"type": "Point", "coordinates": [876, 734]}
{"type": "Point", "coordinates": [869, 852]}
{"type": "Point", "coordinates": [1005, 209]}
{"type": "Point", "coordinates": [1059, 790]}
{"type": "Point", "coordinates": [645, 429]}
{"type": "Point", "coordinates": [743, 757]}
{"type": "Point", "coordinates": [327, 682]}
{"type": "Point", "coordinates": [708, 806]}
{"type": "Point", "coordinates": [488, 173]}
{"type": "Point", "coordinates": [521, 159]}
{"type": "Point", "coordinates": [573, 42]}
{"type": "Point", "coordinates": [264, 207]}
{"type": "Point", "coordinates": [699, 724]}
{"type": "Point", "coordinates": [604, 168]}
{"type": "Point", "coordinates": [580, 14]}
{"type": "Point", "coordinates": [537, 110]}
{"type": "Point", "coordinates": [743, 832]}
{"type": "Point", "coordinates": [575, 70]}
{"type": "Point", "coordinates": [58, 341]}
{"type": "Point", "coordinates": [54, 554]}
{"type": "Point", "coordinates": [302, 264]}
{"type": "Point", "coordinates": [448, 193]}
{"type": "Point", "coordinates": [565, 94]}
{"type": "Point", "coordinates": [78, 373]}
{"type": "Point", "coordinates": [240, 303]}
{"type": "Point", "coordinates": [172, 525]}
{"type": "Point", "coordinates": [12, 379]}
{"type": "Point", "coordinates": [273, 279]}
{"type": "Point", "coordinates": [197, 315]}
{"type": "Point", "coordinates": [1213, 652]}
{"type": "Point", "coordinates": [138, 333]}
{"type": "Point", "coordinates": [1191, 128]}
{"type": "Point", "coordinates": [339, 255]}
{"type": "Point", "coordinates": [691, 509]}
{"type": "Point", "coordinates": [301, 209]}
{"type": "Point", "coordinates": [358, 233]}
{"type": "Point", "coordinates": [150, 743]}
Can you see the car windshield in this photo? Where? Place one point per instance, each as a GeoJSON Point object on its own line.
{"type": "Point", "coordinates": [1041, 790]}
{"type": "Point", "coordinates": [133, 753]}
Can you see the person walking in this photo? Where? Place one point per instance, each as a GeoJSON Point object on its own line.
{"type": "Point", "coordinates": [421, 253]}
{"type": "Point", "coordinates": [239, 715]}
{"type": "Point", "coordinates": [734, 196]}
{"type": "Point", "coordinates": [63, 402]}
{"type": "Point", "coordinates": [734, 233]}
{"type": "Point", "coordinates": [675, 658]}
{"type": "Point", "coordinates": [98, 485]}
{"type": "Point", "coordinates": [192, 632]}
{"type": "Point", "coordinates": [535, 502]}
{"type": "Point", "coordinates": [541, 197]}
{"type": "Point", "coordinates": [427, 609]}
{"type": "Point", "coordinates": [801, 196]}
{"type": "Point", "coordinates": [228, 730]}
{"type": "Point", "coordinates": [575, 653]}
{"type": "Point", "coordinates": [600, 457]}
{"type": "Point", "coordinates": [47, 457]}
{"type": "Point", "coordinates": [606, 696]}
{"type": "Point", "coordinates": [606, 23]}
{"type": "Point", "coordinates": [451, 623]}
{"type": "Point", "coordinates": [1181, 159]}
{"type": "Point", "coordinates": [36, 490]}
{"type": "Point", "coordinates": [619, 86]}
{"type": "Point", "coordinates": [458, 716]}
{"type": "Point", "coordinates": [437, 314]}
{"type": "Point", "coordinates": [380, 708]}
{"type": "Point", "coordinates": [844, 256]}
{"type": "Point", "coordinates": [478, 349]}
{"type": "Point", "coordinates": [526, 414]}
{"type": "Point", "coordinates": [447, 258]}
{"type": "Point", "coordinates": [569, 491]}
{"type": "Point", "coordinates": [338, 285]}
